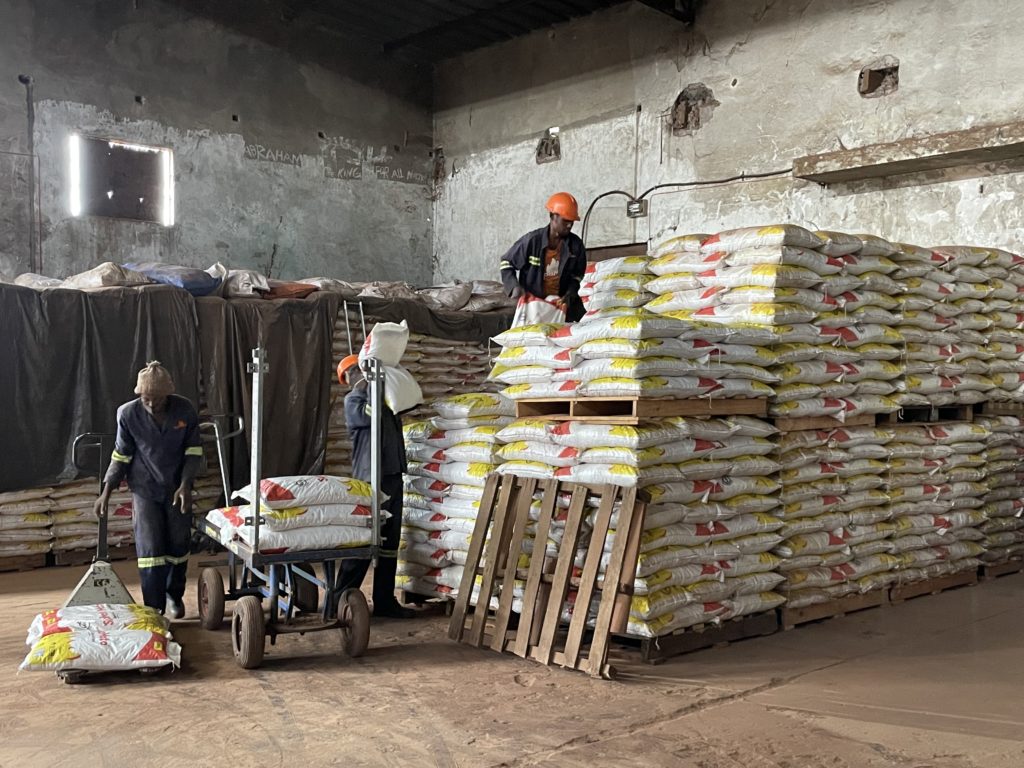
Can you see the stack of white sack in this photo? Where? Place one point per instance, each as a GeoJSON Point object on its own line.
{"type": "Point", "coordinates": [25, 522]}
{"type": "Point", "coordinates": [938, 512]}
{"type": "Point", "coordinates": [531, 365]}
{"type": "Point", "coordinates": [615, 287]}
{"type": "Point", "coordinates": [1005, 308]}
{"type": "Point", "coordinates": [100, 638]}
{"type": "Point", "coordinates": [445, 367]}
{"type": "Point", "coordinates": [711, 522]}
{"type": "Point", "coordinates": [1004, 503]}
{"type": "Point", "coordinates": [300, 512]}
{"type": "Point", "coordinates": [74, 522]}
{"type": "Point", "coordinates": [836, 513]}
{"type": "Point", "coordinates": [819, 310]}
{"type": "Point", "coordinates": [450, 458]}
{"type": "Point", "coordinates": [944, 323]}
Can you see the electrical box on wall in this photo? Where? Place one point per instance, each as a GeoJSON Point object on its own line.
{"type": "Point", "coordinates": [636, 209]}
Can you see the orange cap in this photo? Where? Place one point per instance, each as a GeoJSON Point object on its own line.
{"type": "Point", "coordinates": [564, 205]}
{"type": "Point", "coordinates": [344, 365]}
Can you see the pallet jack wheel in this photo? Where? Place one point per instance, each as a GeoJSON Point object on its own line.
{"type": "Point", "coordinates": [354, 615]}
{"type": "Point", "coordinates": [248, 632]}
{"type": "Point", "coordinates": [307, 594]}
{"type": "Point", "coordinates": [210, 598]}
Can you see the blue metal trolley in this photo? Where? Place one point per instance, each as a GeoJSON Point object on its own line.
{"type": "Point", "coordinates": [297, 599]}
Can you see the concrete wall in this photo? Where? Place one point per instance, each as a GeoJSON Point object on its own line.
{"type": "Point", "coordinates": [784, 74]}
{"type": "Point", "coordinates": [265, 191]}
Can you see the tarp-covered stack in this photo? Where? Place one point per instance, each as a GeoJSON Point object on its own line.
{"type": "Point", "coordinates": [836, 513]}
{"type": "Point", "coordinates": [1004, 503]}
{"type": "Point", "coordinates": [25, 522]}
{"type": "Point", "coordinates": [450, 457]}
{"type": "Point", "coordinates": [938, 516]}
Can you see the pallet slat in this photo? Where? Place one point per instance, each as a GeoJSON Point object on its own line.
{"type": "Point", "coordinates": [632, 410]}
{"type": "Point", "coordinates": [932, 586]}
{"type": "Point", "coordinates": [792, 617]}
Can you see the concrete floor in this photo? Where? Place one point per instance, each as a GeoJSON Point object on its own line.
{"type": "Point", "coordinates": [934, 683]}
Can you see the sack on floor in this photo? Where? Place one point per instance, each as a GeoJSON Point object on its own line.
{"type": "Point", "coordinates": [101, 616]}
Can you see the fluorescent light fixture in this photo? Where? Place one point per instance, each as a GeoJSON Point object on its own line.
{"type": "Point", "coordinates": [167, 182]}
{"type": "Point", "coordinates": [75, 174]}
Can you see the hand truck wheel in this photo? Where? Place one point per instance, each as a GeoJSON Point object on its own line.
{"type": "Point", "coordinates": [354, 615]}
{"type": "Point", "coordinates": [248, 632]}
{"type": "Point", "coordinates": [210, 598]}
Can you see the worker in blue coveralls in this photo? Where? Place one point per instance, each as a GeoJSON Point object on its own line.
{"type": "Point", "coordinates": [158, 449]}
{"type": "Point", "coordinates": [392, 466]}
{"type": "Point", "coordinates": [549, 261]}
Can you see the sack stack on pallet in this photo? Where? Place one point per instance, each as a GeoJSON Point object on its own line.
{"type": "Point", "coordinates": [449, 459]}
{"type": "Point", "coordinates": [943, 320]}
{"type": "Point", "coordinates": [819, 304]}
{"type": "Point", "coordinates": [1004, 503]}
{"type": "Point", "coordinates": [25, 522]}
{"type": "Point", "coordinates": [704, 552]}
{"type": "Point", "coordinates": [938, 518]}
{"type": "Point", "coordinates": [74, 522]}
{"type": "Point", "coordinates": [836, 513]}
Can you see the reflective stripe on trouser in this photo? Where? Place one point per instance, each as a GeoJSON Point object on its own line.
{"type": "Point", "coordinates": [352, 572]}
{"type": "Point", "coordinates": [162, 536]}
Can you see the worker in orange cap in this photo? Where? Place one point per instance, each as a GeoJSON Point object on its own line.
{"type": "Point", "coordinates": [392, 467]}
{"type": "Point", "coordinates": [549, 261]}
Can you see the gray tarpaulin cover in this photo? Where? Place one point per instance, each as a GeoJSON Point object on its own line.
{"type": "Point", "coordinates": [69, 358]}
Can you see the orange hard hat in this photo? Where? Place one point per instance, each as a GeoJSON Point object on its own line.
{"type": "Point", "coordinates": [344, 365]}
{"type": "Point", "coordinates": [564, 205]}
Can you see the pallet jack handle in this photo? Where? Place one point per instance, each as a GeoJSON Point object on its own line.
{"type": "Point", "coordinates": [103, 444]}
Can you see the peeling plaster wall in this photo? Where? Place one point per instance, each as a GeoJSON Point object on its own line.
{"type": "Point", "coordinates": [785, 75]}
{"type": "Point", "coordinates": [265, 192]}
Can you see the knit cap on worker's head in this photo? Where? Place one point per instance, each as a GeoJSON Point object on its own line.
{"type": "Point", "coordinates": [154, 380]}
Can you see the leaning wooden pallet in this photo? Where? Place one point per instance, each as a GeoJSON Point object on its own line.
{"type": "Point", "coordinates": [494, 563]}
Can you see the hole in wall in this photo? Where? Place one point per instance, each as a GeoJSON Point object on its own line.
{"type": "Point", "coordinates": [549, 148]}
{"type": "Point", "coordinates": [734, 81]}
{"type": "Point", "coordinates": [879, 78]}
{"type": "Point", "coordinates": [234, 118]}
{"type": "Point", "coordinates": [140, 99]}
{"type": "Point", "coordinates": [693, 108]}
{"type": "Point", "coordinates": [321, 135]}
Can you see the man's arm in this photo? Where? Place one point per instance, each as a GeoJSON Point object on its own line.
{"type": "Point", "coordinates": [513, 261]}
{"type": "Point", "coordinates": [357, 407]}
{"type": "Point", "coordinates": [193, 459]}
{"type": "Point", "coordinates": [120, 460]}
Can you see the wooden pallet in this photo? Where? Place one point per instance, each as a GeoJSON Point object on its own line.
{"type": "Point", "coordinates": [85, 556]}
{"type": "Point", "coordinates": [798, 424]}
{"type": "Point", "coordinates": [988, 572]}
{"type": "Point", "coordinates": [932, 586]}
{"type": "Point", "coordinates": [792, 617]}
{"type": "Point", "coordinates": [989, 408]}
{"type": "Point", "coordinates": [22, 562]}
{"type": "Point", "coordinates": [927, 414]}
{"type": "Point", "coordinates": [540, 634]}
{"type": "Point", "coordinates": [633, 410]}
{"type": "Point", "coordinates": [657, 650]}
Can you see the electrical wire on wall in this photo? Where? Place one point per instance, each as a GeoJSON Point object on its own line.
{"type": "Point", "coordinates": [676, 185]}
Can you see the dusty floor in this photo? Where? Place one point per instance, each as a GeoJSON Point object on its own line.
{"type": "Point", "coordinates": [937, 682]}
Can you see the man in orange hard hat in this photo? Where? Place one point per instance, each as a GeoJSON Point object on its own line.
{"type": "Point", "coordinates": [549, 261]}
